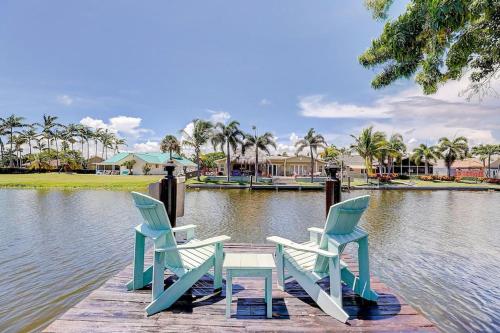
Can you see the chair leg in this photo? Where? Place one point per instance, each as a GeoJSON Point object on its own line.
{"type": "Point", "coordinates": [219, 258]}
{"type": "Point", "coordinates": [138, 278]}
{"type": "Point", "coordinates": [335, 280]}
{"type": "Point", "coordinates": [168, 297]}
{"type": "Point", "coordinates": [280, 266]}
{"type": "Point", "coordinates": [158, 275]}
{"type": "Point", "coordinates": [364, 271]}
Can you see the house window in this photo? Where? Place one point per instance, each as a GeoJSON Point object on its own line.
{"type": "Point", "coordinates": [156, 166]}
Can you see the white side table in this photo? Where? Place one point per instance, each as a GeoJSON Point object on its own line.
{"type": "Point", "coordinates": [249, 265]}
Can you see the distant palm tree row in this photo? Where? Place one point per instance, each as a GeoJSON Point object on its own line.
{"type": "Point", "coordinates": [372, 145]}
{"type": "Point", "coordinates": [51, 137]}
{"type": "Point", "coordinates": [225, 137]}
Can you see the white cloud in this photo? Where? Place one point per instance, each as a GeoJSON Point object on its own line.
{"type": "Point", "coordinates": [146, 147]}
{"type": "Point", "coordinates": [421, 118]}
{"type": "Point", "coordinates": [219, 116]}
{"type": "Point", "coordinates": [64, 100]}
{"type": "Point", "coordinates": [316, 106]}
{"type": "Point", "coordinates": [264, 102]}
{"type": "Point", "coordinates": [124, 125]}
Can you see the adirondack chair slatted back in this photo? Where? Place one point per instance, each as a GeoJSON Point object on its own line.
{"type": "Point", "coordinates": [342, 219]}
{"type": "Point", "coordinates": [155, 217]}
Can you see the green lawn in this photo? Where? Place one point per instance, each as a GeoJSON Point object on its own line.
{"type": "Point", "coordinates": [72, 181]}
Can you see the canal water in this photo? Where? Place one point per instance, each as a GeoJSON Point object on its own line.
{"type": "Point", "coordinates": [439, 250]}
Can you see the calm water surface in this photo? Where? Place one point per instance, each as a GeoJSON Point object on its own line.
{"type": "Point", "coordinates": [439, 250]}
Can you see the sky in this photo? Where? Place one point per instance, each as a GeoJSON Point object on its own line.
{"type": "Point", "coordinates": [147, 68]}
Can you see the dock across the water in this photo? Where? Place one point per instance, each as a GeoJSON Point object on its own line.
{"type": "Point", "coordinates": [112, 308]}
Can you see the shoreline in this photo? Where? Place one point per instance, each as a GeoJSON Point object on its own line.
{"type": "Point", "coordinates": [321, 187]}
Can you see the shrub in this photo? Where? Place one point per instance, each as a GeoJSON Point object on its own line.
{"type": "Point", "coordinates": [493, 181]}
{"type": "Point", "coordinates": [426, 178]}
{"type": "Point", "coordinates": [403, 177]}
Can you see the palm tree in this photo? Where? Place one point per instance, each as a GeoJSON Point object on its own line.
{"type": "Point", "coordinates": [367, 144]}
{"type": "Point", "coordinates": [107, 138]}
{"type": "Point", "coordinates": [202, 132]}
{"type": "Point", "coordinates": [85, 133]}
{"type": "Point", "coordinates": [312, 141]}
{"type": "Point", "coordinates": [117, 143]}
{"type": "Point", "coordinates": [97, 137]}
{"type": "Point", "coordinates": [230, 136]}
{"type": "Point", "coordinates": [71, 131]}
{"type": "Point", "coordinates": [18, 141]}
{"type": "Point", "coordinates": [48, 126]}
{"type": "Point", "coordinates": [29, 135]}
{"type": "Point", "coordinates": [452, 150]}
{"type": "Point", "coordinates": [40, 145]}
{"type": "Point", "coordinates": [395, 150]}
{"type": "Point", "coordinates": [9, 124]}
{"type": "Point", "coordinates": [58, 134]}
{"type": "Point", "coordinates": [170, 144]}
{"type": "Point", "coordinates": [426, 154]}
{"type": "Point", "coordinates": [258, 142]}
{"type": "Point", "coordinates": [487, 151]}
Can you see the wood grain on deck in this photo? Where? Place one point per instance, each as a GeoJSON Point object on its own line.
{"type": "Point", "coordinates": [112, 308]}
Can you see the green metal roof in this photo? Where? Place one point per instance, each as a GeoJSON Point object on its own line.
{"type": "Point", "coordinates": [152, 158]}
{"type": "Point", "coordinates": [116, 158]}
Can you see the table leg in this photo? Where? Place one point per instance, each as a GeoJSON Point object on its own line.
{"type": "Point", "coordinates": [269, 296]}
{"type": "Point", "coordinates": [229, 293]}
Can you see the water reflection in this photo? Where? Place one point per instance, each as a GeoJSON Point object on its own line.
{"type": "Point", "coordinates": [439, 250]}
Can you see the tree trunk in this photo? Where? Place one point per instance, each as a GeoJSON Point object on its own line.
{"type": "Point", "coordinates": [197, 164]}
{"type": "Point", "coordinates": [57, 155]}
{"type": "Point", "coordinates": [228, 162]}
{"type": "Point", "coordinates": [96, 142]}
{"type": "Point", "coordinates": [489, 165]}
{"type": "Point", "coordinates": [312, 164]}
{"type": "Point", "coordinates": [11, 161]}
{"type": "Point", "coordinates": [256, 163]}
{"type": "Point", "coordinates": [426, 167]}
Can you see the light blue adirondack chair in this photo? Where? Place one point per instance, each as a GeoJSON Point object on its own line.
{"type": "Point", "coordinates": [311, 261]}
{"type": "Point", "coordinates": [188, 261]}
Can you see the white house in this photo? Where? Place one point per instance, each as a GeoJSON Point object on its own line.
{"type": "Point", "coordinates": [154, 161]}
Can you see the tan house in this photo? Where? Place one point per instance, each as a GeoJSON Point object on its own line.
{"type": "Point", "coordinates": [91, 162]}
{"type": "Point", "coordinates": [269, 166]}
{"type": "Point", "coordinates": [469, 167]}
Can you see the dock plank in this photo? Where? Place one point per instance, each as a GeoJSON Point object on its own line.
{"type": "Point", "coordinates": [111, 308]}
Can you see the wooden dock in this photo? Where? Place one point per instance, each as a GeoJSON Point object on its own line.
{"type": "Point", "coordinates": [112, 308]}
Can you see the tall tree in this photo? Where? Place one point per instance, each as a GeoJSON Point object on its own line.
{"type": "Point", "coordinates": [367, 145]}
{"type": "Point", "coordinates": [117, 142]}
{"type": "Point", "coordinates": [425, 153]}
{"type": "Point", "coordinates": [107, 138]}
{"type": "Point", "coordinates": [229, 137]}
{"type": "Point", "coordinates": [487, 150]}
{"type": "Point", "coordinates": [10, 124]}
{"type": "Point", "coordinates": [439, 41]}
{"type": "Point", "coordinates": [202, 132]}
{"type": "Point", "coordinates": [395, 150]}
{"type": "Point", "coordinates": [29, 135]}
{"type": "Point", "coordinates": [312, 141]}
{"type": "Point", "coordinates": [85, 133]}
{"type": "Point", "coordinates": [452, 150]}
{"type": "Point", "coordinates": [258, 142]}
{"type": "Point", "coordinates": [48, 126]}
{"type": "Point", "coordinates": [170, 144]}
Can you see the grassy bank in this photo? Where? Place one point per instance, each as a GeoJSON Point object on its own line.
{"type": "Point", "coordinates": [75, 181]}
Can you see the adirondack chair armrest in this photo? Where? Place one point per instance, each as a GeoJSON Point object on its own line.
{"type": "Point", "coordinates": [299, 247]}
{"type": "Point", "coordinates": [195, 245]}
{"type": "Point", "coordinates": [188, 229]}
{"type": "Point", "coordinates": [184, 228]}
{"type": "Point", "coordinates": [315, 234]}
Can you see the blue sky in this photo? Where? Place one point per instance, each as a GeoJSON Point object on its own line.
{"type": "Point", "coordinates": [146, 68]}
